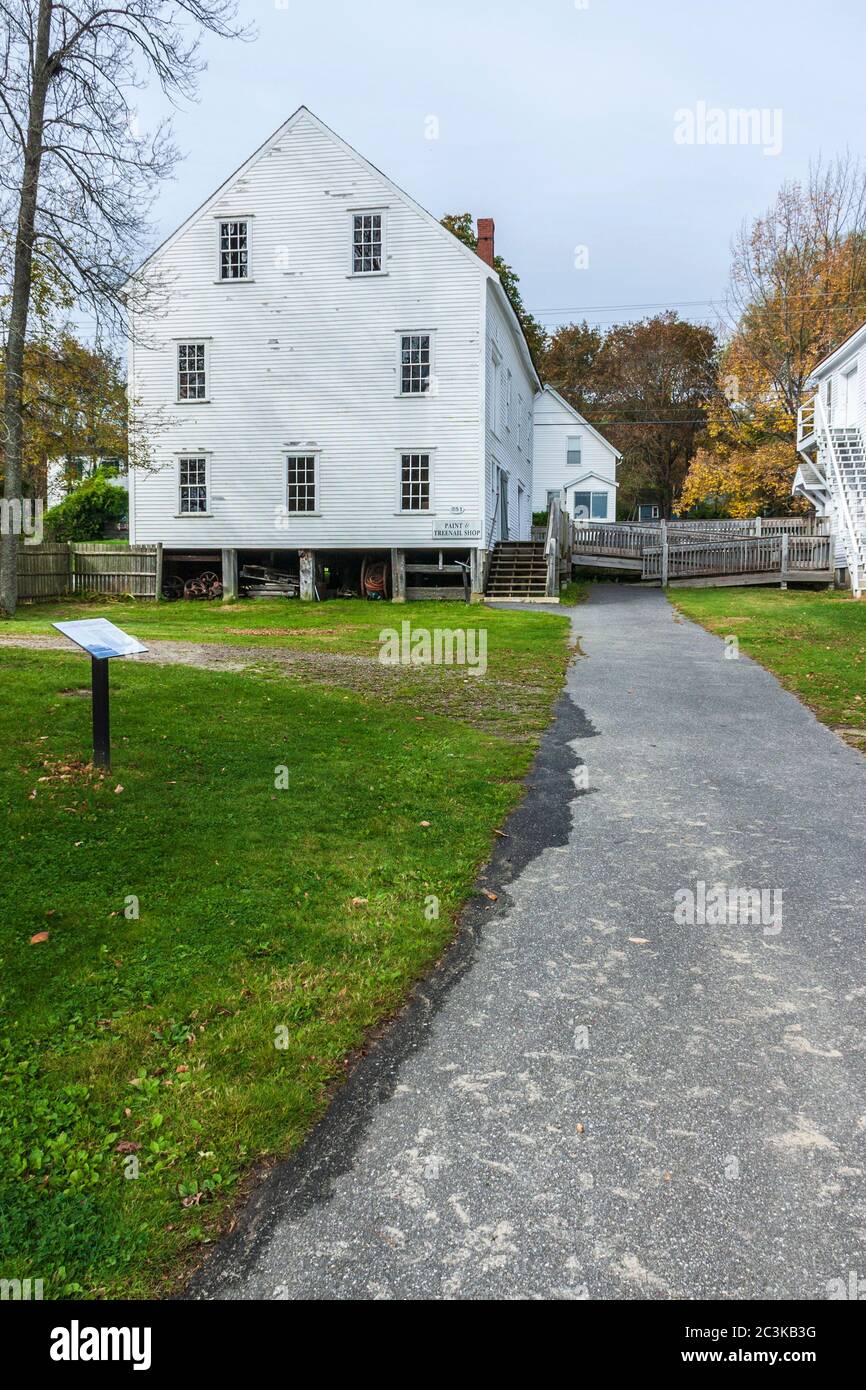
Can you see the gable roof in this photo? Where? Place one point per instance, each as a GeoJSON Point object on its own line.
{"type": "Point", "coordinates": [599, 478]}
{"type": "Point", "coordinates": [581, 420]}
{"type": "Point", "coordinates": [855, 339]}
{"type": "Point", "coordinates": [303, 112]}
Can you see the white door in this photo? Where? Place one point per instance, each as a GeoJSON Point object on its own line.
{"type": "Point", "coordinates": [849, 392]}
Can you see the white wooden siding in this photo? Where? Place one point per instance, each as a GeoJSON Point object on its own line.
{"type": "Point", "coordinates": [507, 447]}
{"type": "Point", "coordinates": [302, 358]}
{"type": "Point", "coordinates": [555, 424]}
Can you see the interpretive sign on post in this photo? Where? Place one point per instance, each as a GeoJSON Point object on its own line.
{"type": "Point", "coordinates": [101, 640]}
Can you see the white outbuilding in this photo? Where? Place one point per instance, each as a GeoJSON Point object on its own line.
{"type": "Point", "coordinates": [572, 461]}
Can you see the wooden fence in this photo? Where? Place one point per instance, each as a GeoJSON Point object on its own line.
{"type": "Point", "coordinates": [56, 569]}
{"type": "Point", "coordinates": [789, 557]}
{"type": "Point", "coordinates": [44, 571]}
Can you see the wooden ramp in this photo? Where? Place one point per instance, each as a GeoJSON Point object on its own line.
{"type": "Point", "coordinates": [726, 555]}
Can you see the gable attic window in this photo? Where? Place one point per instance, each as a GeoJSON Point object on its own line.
{"type": "Point", "coordinates": [192, 485]}
{"type": "Point", "coordinates": [572, 457]}
{"type": "Point", "coordinates": [367, 243]}
{"type": "Point", "coordinates": [234, 239]}
{"type": "Point", "coordinates": [414, 364]}
{"type": "Point", "coordinates": [191, 372]}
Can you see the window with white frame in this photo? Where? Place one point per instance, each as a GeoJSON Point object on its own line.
{"type": "Point", "coordinates": [590, 505]}
{"type": "Point", "coordinates": [495, 388]}
{"type": "Point", "coordinates": [234, 238]}
{"type": "Point", "coordinates": [191, 372]}
{"type": "Point", "coordinates": [415, 482]}
{"type": "Point", "coordinates": [192, 484]}
{"type": "Point", "coordinates": [572, 457]}
{"type": "Point", "coordinates": [415, 363]}
{"type": "Point", "coordinates": [301, 483]}
{"type": "Point", "coordinates": [367, 243]}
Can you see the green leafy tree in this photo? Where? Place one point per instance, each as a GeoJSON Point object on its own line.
{"type": "Point", "coordinates": [83, 515]}
{"type": "Point", "coordinates": [73, 407]}
{"type": "Point", "coordinates": [570, 363]}
{"type": "Point", "coordinates": [463, 227]}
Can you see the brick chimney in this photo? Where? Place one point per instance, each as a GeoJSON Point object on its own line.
{"type": "Point", "coordinates": [485, 240]}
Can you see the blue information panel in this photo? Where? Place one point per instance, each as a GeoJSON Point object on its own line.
{"type": "Point", "coordinates": [100, 638]}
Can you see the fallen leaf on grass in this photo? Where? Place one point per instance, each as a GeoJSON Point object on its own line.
{"type": "Point", "coordinates": [40, 936]}
{"type": "Point", "coordinates": [359, 902]}
{"type": "Point", "coordinates": [126, 1146]}
{"type": "Point", "coordinates": [425, 823]}
{"type": "Point", "coordinates": [118, 789]}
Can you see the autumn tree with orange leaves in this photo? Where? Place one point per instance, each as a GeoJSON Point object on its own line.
{"type": "Point", "coordinates": [798, 289]}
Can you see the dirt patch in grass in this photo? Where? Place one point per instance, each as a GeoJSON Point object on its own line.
{"type": "Point", "coordinates": [488, 702]}
{"type": "Point", "coordinates": [285, 631]}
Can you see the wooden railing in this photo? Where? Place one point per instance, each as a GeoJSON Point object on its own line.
{"type": "Point", "coordinates": [608, 538]}
{"type": "Point", "coordinates": [632, 539]}
{"type": "Point", "coordinates": [806, 423]}
{"type": "Point", "coordinates": [785, 555]}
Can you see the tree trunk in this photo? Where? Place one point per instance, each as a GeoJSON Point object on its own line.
{"type": "Point", "coordinates": [22, 278]}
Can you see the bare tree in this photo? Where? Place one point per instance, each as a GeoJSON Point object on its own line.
{"type": "Point", "coordinates": [77, 175]}
{"type": "Point", "coordinates": [798, 288]}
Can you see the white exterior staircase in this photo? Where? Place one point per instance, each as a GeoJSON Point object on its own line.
{"type": "Point", "coordinates": [834, 478]}
{"type": "Point", "coordinates": [851, 455]}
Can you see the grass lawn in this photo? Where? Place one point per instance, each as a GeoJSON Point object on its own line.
{"type": "Point", "coordinates": [815, 643]}
{"type": "Point", "coordinates": [217, 945]}
{"type": "Point", "coordinates": [574, 592]}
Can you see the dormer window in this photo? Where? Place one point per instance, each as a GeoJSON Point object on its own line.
{"type": "Point", "coordinates": [368, 243]}
{"type": "Point", "coordinates": [234, 249]}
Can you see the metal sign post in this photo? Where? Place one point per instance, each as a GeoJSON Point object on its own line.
{"type": "Point", "coordinates": [99, 700]}
{"type": "Point", "coordinates": [101, 640]}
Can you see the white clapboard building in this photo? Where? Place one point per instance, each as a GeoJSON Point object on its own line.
{"type": "Point", "coordinates": [831, 438]}
{"type": "Point", "coordinates": [328, 376]}
{"type": "Point", "coordinates": [572, 461]}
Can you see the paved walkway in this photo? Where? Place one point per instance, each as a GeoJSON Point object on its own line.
{"type": "Point", "coordinates": [589, 1099]}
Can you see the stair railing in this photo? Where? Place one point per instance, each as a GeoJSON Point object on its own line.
{"type": "Point", "coordinates": [850, 539]}
{"type": "Point", "coordinates": [493, 518]}
{"type": "Point", "coordinates": [551, 546]}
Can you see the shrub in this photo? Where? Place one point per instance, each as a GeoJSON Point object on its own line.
{"type": "Point", "coordinates": [83, 515]}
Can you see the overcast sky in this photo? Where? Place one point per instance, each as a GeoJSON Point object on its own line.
{"type": "Point", "coordinates": [557, 118]}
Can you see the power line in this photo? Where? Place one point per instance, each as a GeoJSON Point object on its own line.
{"type": "Point", "coordinates": [696, 303]}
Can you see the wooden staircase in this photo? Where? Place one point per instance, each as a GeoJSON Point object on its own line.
{"type": "Point", "coordinates": [518, 570]}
